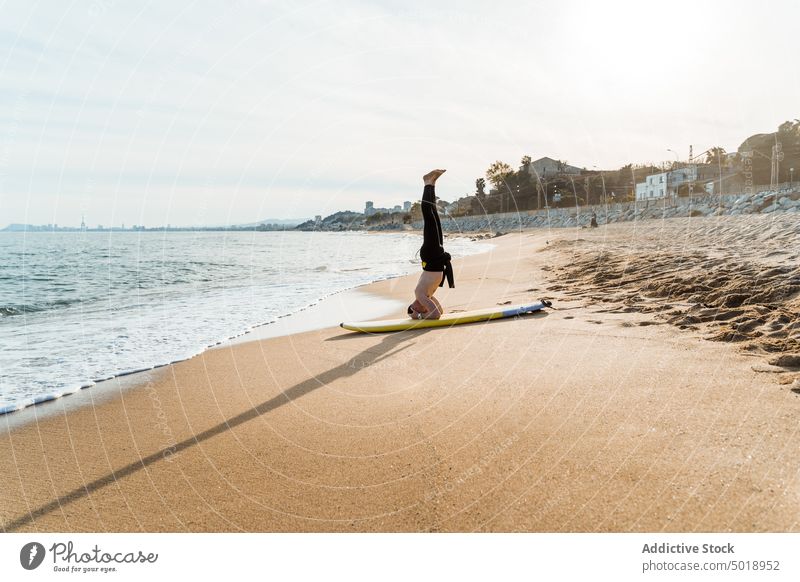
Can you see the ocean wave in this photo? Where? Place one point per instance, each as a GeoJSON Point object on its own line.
{"type": "Point", "coordinates": [143, 313]}
{"type": "Point", "coordinates": [22, 308]}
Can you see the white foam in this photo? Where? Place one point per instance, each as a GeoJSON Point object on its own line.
{"type": "Point", "coordinates": [134, 371]}
{"type": "Point", "coordinates": [163, 325]}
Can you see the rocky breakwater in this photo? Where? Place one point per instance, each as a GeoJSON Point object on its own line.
{"type": "Point", "coordinates": [760, 203]}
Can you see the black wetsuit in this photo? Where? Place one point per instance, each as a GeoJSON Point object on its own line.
{"type": "Point", "coordinates": [432, 253]}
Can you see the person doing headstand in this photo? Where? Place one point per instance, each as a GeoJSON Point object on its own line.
{"type": "Point", "coordinates": [436, 267]}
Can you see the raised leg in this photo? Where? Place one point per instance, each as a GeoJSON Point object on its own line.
{"type": "Point", "coordinates": [432, 230]}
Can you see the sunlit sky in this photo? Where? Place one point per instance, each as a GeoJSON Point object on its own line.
{"type": "Point", "coordinates": [229, 112]}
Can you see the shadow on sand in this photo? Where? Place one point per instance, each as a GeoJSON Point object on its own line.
{"type": "Point", "coordinates": [389, 346]}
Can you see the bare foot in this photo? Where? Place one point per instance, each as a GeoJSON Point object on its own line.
{"type": "Point", "coordinates": [431, 177]}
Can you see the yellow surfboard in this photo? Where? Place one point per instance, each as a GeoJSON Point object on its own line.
{"type": "Point", "coordinates": [447, 320]}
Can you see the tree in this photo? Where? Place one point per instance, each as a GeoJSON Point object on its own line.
{"type": "Point", "coordinates": [377, 218]}
{"type": "Point", "coordinates": [716, 156]}
{"type": "Point", "coordinates": [480, 188]}
{"type": "Point", "coordinates": [498, 172]}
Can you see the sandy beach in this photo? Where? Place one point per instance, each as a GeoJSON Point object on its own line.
{"type": "Point", "coordinates": [661, 394]}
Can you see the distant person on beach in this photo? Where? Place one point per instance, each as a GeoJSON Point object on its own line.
{"type": "Point", "coordinates": [593, 224]}
{"type": "Point", "coordinates": [436, 265]}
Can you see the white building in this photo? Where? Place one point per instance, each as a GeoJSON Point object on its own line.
{"type": "Point", "coordinates": [680, 176]}
{"type": "Point", "coordinates": [654, 186]}
{"type": "Point", "coordinates": [665, 183]}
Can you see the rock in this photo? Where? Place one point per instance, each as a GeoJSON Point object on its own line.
{"type": "Point", "coordinates": [786, 361]}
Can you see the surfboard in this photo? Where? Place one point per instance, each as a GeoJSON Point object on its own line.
{"type": "Point", "coordinates": [447, 320]}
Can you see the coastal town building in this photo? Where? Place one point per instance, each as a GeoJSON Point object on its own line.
{"type": "Point", "coordinates": [369, 208]}
{"type": "Point", "coordinates": [544, 168]}
{"type": "Point", "coordinates": [654, 186]}
{"type": "Point", "coordinates": [667, 183]}
{"type": "Point", "coordinates": [704, 179]}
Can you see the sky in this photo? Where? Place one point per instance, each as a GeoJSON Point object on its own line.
{"type": "Point", "coordinates": [226, 112]}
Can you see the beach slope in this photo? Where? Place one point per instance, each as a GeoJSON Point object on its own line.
{"type": "Point", "coordinates": [607, 413]}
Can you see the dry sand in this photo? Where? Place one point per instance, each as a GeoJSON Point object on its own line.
{"type": "Point", "coordinates": [737, 278]}
{"type": "Point", "coordinates": [595, 416]}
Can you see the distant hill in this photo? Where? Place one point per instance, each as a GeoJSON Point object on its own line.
{"type": "Point", "coordinates": [343, 220]}
{"type": "Point", "coordinates": [281, 221]}
{"type": "Point", "coordinates": [760, 144]}
{"type": "Point", "coordinates": [287, 223]}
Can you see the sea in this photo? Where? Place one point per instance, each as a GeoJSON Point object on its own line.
{"type": "Point", "coordinates": [77, 308]}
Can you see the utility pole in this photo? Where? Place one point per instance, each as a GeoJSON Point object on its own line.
{"type": "Point", "coordinates": [546, 204]}
{"type": "Point", "coordinates": [669, 174]}
{"type": "Point", "coordinates": [777, 158]}
{"type": "Point", "coordinates": [772, 169]}
{"type": "Point", "coordinates": [588, 194]}
{"type": "Point", "coordinates": [575, 194]}
{"type": "Point", "coordinates": [605, 200]}
{"type": "Point", "coordinates": [544, 188]}
{"type": "Point", "coordinates": [677, 160]}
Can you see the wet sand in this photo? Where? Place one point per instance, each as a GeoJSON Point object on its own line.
{"type": "Point", "coordinates": [599, 415]}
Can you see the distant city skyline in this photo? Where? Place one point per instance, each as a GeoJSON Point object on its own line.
{"type": "Point", "coordinates": [221, 113]}
{"type": "Point", "coordinates": [83, 225]}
